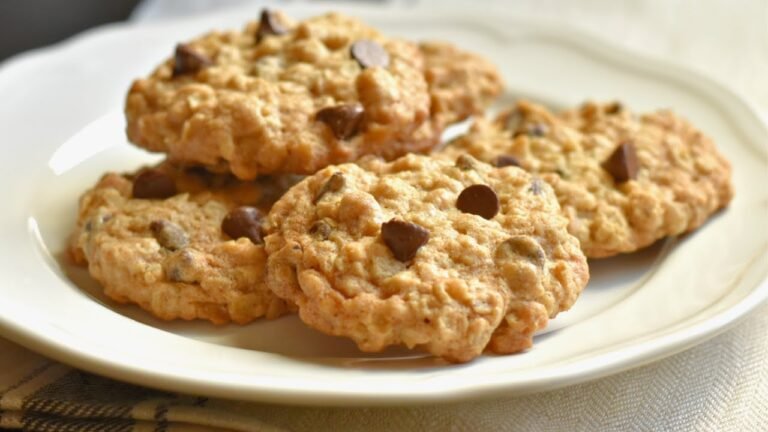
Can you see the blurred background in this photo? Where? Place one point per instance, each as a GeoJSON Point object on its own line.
{"type": "Point", "coordinates": [26, 24]}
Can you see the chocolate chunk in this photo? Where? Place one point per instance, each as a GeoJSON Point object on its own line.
{"type": "Point", "coordinates": [243, 222]}
{"type": "Point", "coordinates": [403, 238]}
{"type": "Point", "coordinates": [622, 165]}
{"type": "Point", "coordinates": [536, 186]}
{"type": "Point", "coordinates": [169, 235]}
{"type": "Point", "coordinates": [369, 54]}
{"type": "Point", "coordinates": [333, 184]}
{"type": "Point", "coordinates": [505, 161]}
{"type": "Point", "coordinates": [187, 60]}
{"type": "Point", "coordinates": [269, 25]}
{"type": "Point", "coordinates": [344, 120]}
{"type": "Point", "coordinates": [614, 108]}
{"type": "Point", "coordinates": [153, 184]}
{"type": "Point", "coordinates": [465, 162]}
{"type": "Point", "coordinates": [480, 200]}
{"type": "Point", "coordinates": [521, 247]}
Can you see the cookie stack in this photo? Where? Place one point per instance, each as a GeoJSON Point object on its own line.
{"type": "Point", "coordinates": [304, 173]}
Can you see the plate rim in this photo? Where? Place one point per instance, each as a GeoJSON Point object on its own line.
{"type": "Point", "coordinates": [609, 363]}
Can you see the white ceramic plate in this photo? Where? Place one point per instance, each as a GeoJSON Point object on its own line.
{"type": "Point", "coordinates": [637, 308]}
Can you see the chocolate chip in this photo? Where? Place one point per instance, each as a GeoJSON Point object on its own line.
{"type": "Point", "coordinates": [505, 161]}
{"type": "Point", "coordinates": [536, 186]}
{"type": "Point", "coordinates": [537, 129]}
{"type": "Point", "coordinates": [97, 222]}
{"type": "Point", "coordinates": [169, 235]}
{"type": "Point", "coordinates": [622, 164]}
{"type": "Point", "coordinates": [187, 60]}
{"type": "Point", "coordinates": [153, 184]}
{"type": "Point", "coordinates": [269, 25]}
{"type": "Point", "coordinates": [465, 162]}
{"type": "Point", "coordinates": [321, 229]}
{"type": "Point", "coordinates": [243, 222]}
{"type": "Point", "coordinates": [614, 108]}
{"type": "Point", "coordinates": [561, 172]}
{"type": "Point", "coordinates": [521, 246]}
{"type": "Point", "coordinates": [333, 184]}
{"type": "Point", "coordinates": [369, 54]}
{"type": "Point", "coordinates": [403, 238]}
{"type": "Point", "coordinates": [480, 200]}
{"type": "Point", "coordinates": [343, 120]}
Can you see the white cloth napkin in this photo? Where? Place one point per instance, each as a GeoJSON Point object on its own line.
{"type": "Point", "coordinates": [720, 385]}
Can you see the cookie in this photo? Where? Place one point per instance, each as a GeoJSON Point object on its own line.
{"type": "Point", "coordinates": [179, 243]}
{"type": "Point", "coordinates": [455, 258]}
{"type": "Point", "coordinates": [461, 84]}
{"type": "Point", "coordinates": [624, 181]}
{"type": "Point", "coordinates": [292, 97]}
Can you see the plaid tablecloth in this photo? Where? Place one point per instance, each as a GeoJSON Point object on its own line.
{"type": "Point", "coordinates": [721, 385]}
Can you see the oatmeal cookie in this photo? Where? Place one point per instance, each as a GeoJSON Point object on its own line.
{"type": "Point", "coordinates": [292, 97]}
{"type": "Point", "coordinates": [623, 180]}
{"type": "Point", "coordinates": [461, 83]}
{"type": "Point", "coordinates": [180, 243]}
{"type": "Point", "coordinates": [455, 258]}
